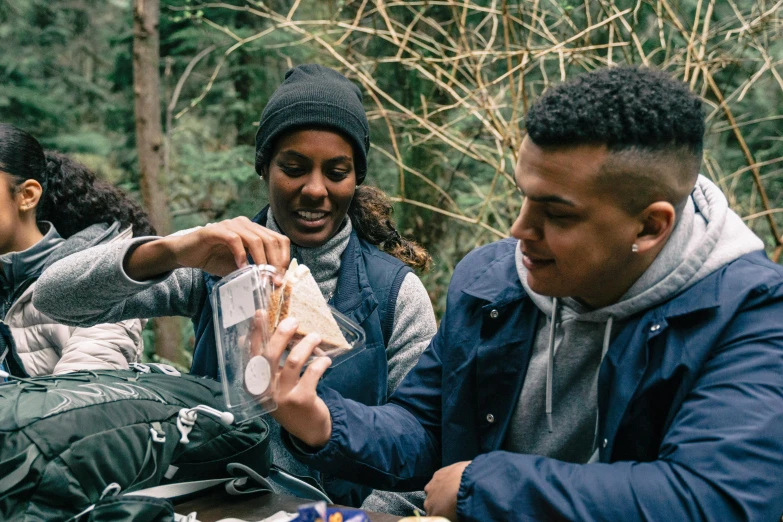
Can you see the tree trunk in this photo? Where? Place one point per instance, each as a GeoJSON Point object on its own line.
{"type": "Point", "coordinates": [149, 144]}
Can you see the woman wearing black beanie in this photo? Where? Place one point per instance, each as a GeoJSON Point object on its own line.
{"type": "Point", "coordinates": [311, 151]}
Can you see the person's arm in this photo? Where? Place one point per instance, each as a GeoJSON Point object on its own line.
{"type": "Point", "coordinates": [413, 328]}
{"type": "Point", "coordinates": [721, 459]}
{"type": "Point", "coordinates": [217, 248]}
{"type": "Point", "coordinates": [361, 443]}
{"type": "Point", "coordinates": [91, 287]}
{"type": "Point", "coordinates": [152, 277]}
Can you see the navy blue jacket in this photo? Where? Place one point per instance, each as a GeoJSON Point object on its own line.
{"type": "Point", "coordinates": [690, 402]}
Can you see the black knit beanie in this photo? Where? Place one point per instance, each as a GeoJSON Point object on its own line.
{"type": "Point", "coordinates": [315, 96]}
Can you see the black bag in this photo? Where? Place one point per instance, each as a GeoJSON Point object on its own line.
{"type": "Point", "coordinates": [65, 439]}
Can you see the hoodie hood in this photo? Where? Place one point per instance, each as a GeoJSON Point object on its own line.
{"type": "Point", "coordinates": [89, 237]}
{"type": "Point", "coordinates": [573, 340]}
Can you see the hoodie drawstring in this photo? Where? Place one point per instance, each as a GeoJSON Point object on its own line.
{"type": "Point", "coordinates": [550, 367]}
{"type": "Point", "coordinates": [604, 349]}
{"type": "Point", "coordinates": [607, 338]}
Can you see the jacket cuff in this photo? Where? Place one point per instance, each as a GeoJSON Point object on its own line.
{"type": "Point", "coordinates": [321, 458]}
{"type": "Point", "coordinates": [466, 486]}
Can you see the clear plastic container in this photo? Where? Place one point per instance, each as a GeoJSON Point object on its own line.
{"type": "Point", "coordinates": [353, 333]}
{"type": "Point", "coordinates": [241, 305]}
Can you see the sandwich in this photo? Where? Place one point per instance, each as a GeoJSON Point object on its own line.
{"type": "Point", "coordinates": [300, 297]}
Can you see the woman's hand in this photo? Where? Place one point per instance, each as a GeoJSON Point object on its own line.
{"type": "Point", "coordinates": [219, 249]}
{"type": "Point", "coordinates": [299, 409]}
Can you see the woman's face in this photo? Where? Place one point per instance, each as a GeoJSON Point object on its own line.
{"type": "Point", "coordinates": [10, 215]}
{"type": "Point", "coordinates": [311, 184]}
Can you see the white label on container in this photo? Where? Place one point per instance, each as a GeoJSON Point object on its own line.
{"type": "Point", "coordinates": [236, 300]}
{"type": "Point", "coordinates": [257, 375]}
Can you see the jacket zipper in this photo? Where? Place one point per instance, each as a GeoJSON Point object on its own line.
{"type": "Point", "coordinates": [9, 302]}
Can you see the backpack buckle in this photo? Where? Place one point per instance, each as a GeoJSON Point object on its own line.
{"type": "Point", "coordinates": [156, 430]}
{"type": "Point", "coordinates": [185, 421]}
{"type": "Point", "coordinates": [167, 369]}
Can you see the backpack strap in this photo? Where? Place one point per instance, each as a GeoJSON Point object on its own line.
{"type": "Point", "coordinates": [297, 485]}
{"type": "Point", "coordinates": [242, 477]}
{"type": "Point", "coordinates": [180, 489]}
{"type": "Point", "coordinates": [387, 312]}
{"type": "Point", "coordinates": [21, 468]}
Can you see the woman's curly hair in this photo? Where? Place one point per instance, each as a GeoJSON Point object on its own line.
{"type": "Point", "coordinates": [72, 197]}
{"type": "Point", "coordinates": [371, 215]}
{"type": "Point", "coordinates": [73, 200]}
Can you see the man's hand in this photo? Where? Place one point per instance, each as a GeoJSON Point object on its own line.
{"type": "Point", "coordinates": [442, 491]}
{"type": "Point", "coordinates": [299, 409]}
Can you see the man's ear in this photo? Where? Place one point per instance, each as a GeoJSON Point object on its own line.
{"type": "Point", "coordinates": [28, 195]}
{"type": "Point", "coordinates": [263, 173]}
{"type": "Point", "coordinates": [657, 222]}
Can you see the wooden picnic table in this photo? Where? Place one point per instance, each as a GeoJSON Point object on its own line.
{"type": "Point", "coordinates": [216, 504]}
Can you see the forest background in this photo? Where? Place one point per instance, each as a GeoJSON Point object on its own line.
{"type": "Point", "coordinates": [446, 84]}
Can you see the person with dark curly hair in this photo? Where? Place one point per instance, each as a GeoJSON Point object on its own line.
{"type": "Point", "coordinates": [52, 206]}
{"type": "Point", "coordinates": [619, 359]}
{"type": "Point", "coordinates": [311, 152]}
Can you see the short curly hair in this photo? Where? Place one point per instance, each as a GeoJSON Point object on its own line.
{"type": "Point", "coordinates": [651, 124]}
{"type": "Point", "coordinates": [621, 107]}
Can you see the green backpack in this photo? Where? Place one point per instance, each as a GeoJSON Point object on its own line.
{"type": "Point", "coordinates": [64, 440]}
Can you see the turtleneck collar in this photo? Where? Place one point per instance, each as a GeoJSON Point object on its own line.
{"type": "Point", "coordinates": [18, 267]}
{"type": "Point", "coordinates": [323, 261]}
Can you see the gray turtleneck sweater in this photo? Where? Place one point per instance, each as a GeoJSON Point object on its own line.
{"type": "Point", "coordinates": [91, 287]}
{"type": "Point", "coordinates": [708, 235]}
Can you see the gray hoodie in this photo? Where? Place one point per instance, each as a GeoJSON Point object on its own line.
{"type": "Point", "coordinates": [557, 412]}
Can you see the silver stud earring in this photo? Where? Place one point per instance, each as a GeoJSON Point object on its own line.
{"type": "Point", "coordinates": [635, 248]}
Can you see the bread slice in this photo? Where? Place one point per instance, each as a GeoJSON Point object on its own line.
{"type": "Point", "coordinates": [300, 297]}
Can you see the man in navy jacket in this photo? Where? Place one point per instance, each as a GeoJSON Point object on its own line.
{"type": "Point", "coordinates": [620, 359]}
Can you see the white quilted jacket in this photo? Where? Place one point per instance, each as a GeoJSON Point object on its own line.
{"type": "Point", "coordinates": [47, 347]}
